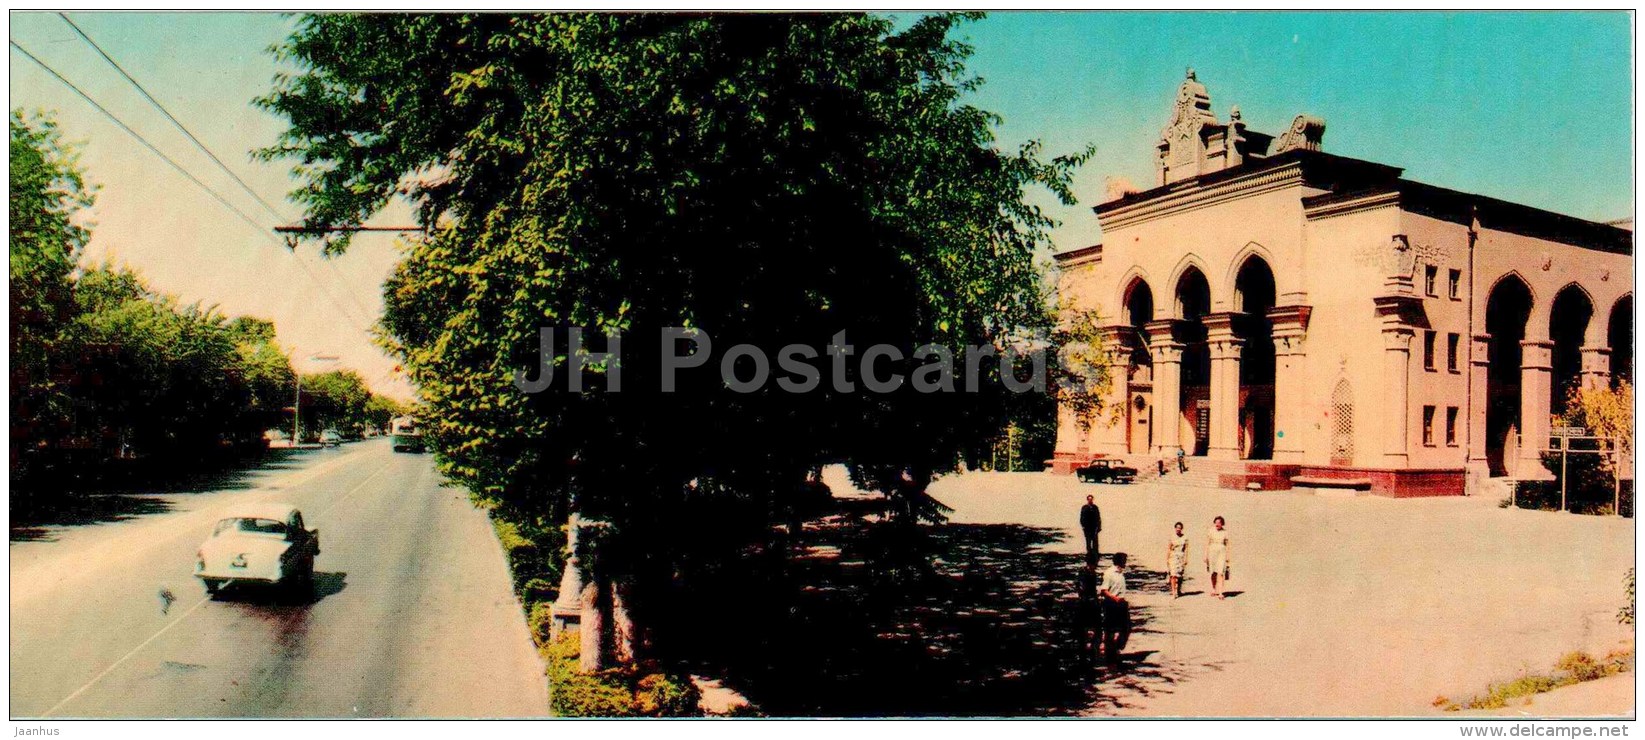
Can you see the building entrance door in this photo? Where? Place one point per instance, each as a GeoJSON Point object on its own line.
{"type": "Point", "coordinates": [1202, 427]}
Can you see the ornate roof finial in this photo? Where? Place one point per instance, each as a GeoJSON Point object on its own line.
{"type": "Point", "coordinates": [1233, 113]}
{"type": "Point", "coordinates": [1191, 74]}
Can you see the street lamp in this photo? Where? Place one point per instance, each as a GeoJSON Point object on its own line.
{"type": "Point", "coordinates": [297, 404]}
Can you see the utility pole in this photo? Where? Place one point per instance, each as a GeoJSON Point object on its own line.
{"type": "Point", "coordinates": [297, 403]}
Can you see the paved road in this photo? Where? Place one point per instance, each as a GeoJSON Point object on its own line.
{"type": "Point", "coordinates": [412, 615]}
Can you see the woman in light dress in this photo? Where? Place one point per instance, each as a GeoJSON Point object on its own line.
{"type": "Point", "coordinates": [1176, 559]}
{"type": "Point", "coordinates": [1216, 556]}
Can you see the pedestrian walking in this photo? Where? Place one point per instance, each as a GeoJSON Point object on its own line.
{"type": "Point", "coordinates": [1182, 461]}
{"type": "Point", "coordinates": [1176, 559]}
{"type": "Point", "coordinates": [1217, 562]}
{"type": "Point", "coordinates": [1091, 525]}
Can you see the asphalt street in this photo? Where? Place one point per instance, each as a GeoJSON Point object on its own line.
{"type": "Point", "coordinates": [412, 613]}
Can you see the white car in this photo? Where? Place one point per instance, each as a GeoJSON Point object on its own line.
{"type": "Point", "coordinates": [262, 544]}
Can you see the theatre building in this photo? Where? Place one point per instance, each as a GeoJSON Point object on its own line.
{"type": "Point", "coordinates": [1286, 316]}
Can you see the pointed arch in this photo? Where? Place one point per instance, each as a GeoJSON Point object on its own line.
{"type": "Point", "coordinates": [1570, 324]}
{"type": "Point", "coordinates": [1189, 262]}
{"type": "Point", "coordinates": [1137, 304]}
{"type": "Point", "coordinates": [1246, 254]}
{"type": "Point", "coordinates": [1619, 336]}
{"type": "Point", "coordinates": [1509, 306]}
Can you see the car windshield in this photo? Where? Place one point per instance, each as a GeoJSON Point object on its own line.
{"type": "Point", "coordinates": [251, 525]}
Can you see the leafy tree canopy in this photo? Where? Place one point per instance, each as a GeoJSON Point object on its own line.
{"type": "Point", "coordinates": [768, 178]}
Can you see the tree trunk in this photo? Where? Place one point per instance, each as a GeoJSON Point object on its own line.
{"type": "Point", "coordinates": [594, 630]}
{"type": "Point", "coordinates": [622, 626]}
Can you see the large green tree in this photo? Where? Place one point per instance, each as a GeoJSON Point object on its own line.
{"type": "Point", "coordinates": [47, 191]}
{"type": "Point", "coordinates": [769, 179]}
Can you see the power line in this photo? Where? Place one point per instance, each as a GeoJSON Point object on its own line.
{"type": "Point", "coordinates": [198, 144]}
{"type": "Point", "coordinates": [139, 137]}
{"type": "Point", "coordinates": [179, 124]}
{"type": "Point", "coordinates": [179, 168]}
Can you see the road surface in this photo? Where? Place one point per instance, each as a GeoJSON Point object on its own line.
{"type": "Point", "coordinates": [412, 615]}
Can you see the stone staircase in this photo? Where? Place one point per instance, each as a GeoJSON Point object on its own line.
{"type": "Point", "coordinates": [1231, 474]}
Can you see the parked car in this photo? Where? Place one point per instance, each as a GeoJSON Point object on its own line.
{"type": "Point", "coordinates": [330, 438]}
{"type": "Point", "coordinates": [1106, 471]}
{"type": "Point", "coordinates": [262, 544]}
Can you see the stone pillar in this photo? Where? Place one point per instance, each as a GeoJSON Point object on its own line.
{"type": "Point", "coordinates": [1167, 351]}
{"type": "Point", "coordinates": [1290, 387]}
{"type": "Point", "coordinates": [1399, 309]}
{"type": "Point", "coordinates": [1107, 435]}
{"type": "Point", "coordinates": [1596, 368]}
{"type": "Point", "coordinates": [1225, 348]}
{"type": "Point", "coordinates": [1396, 384]}
{"type": "Point", "coordinates": [1536, 370]}
{"type": "Point", "coordinates": [567, 612]}
{"type": "Point", "coordinates": [1479, 379]}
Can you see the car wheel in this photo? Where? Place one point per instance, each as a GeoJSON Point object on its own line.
{"type": "Point", "coordinates": [212, 585]}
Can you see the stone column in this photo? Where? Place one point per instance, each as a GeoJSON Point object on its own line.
{"type": "Point", "coordinates": [1225, 348]}
{"type": "Point", "coordinates": [1396, 383]}
{"type": "Point", "coordinates": [1596, 368]}
{"type": "Point", "coordinates": [1536, 370]}
{"type": "Point", "coordinates": [1290, 396]}
{"type": "Point", "coordinates": [1107, 435]}
{"type": "Point", "coordinates": [1167, 351]}
{"type": "Point", "coordinates": [1399, 309]}
{"type": "Point", "coordinates": [567, 611]}
{"type": "Point", "coordinates": [1479, 379]}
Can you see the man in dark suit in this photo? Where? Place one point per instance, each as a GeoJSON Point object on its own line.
{"type": "Point", "coordinates": [1091, 525]}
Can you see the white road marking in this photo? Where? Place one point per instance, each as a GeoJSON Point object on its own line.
{"type": "Point", "coordinates": [197, 605]}
{"type": "Point", "coordinates": [126, 657]}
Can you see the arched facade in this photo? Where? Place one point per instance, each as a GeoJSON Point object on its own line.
{"type": "Point", "coordinates": [1283, 313]}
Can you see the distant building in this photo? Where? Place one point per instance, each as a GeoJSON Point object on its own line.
{"type": "Point", "coordinates": [1299, 316]}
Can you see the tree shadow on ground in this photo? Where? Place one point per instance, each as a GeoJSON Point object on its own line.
{"type": "Point", "coordinates": [876, 619]}
{"type": "Point", "coordinates": [116, 493]}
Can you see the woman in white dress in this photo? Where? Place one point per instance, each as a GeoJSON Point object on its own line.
{"type": "Point", "coordinates": [1176, 560]}
{"type": "Point", "coordinates": [1216, 556]}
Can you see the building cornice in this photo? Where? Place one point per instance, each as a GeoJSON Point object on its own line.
{"type": "Point", "coordinates": [1077, 257]}
{"type": "Point", "coordinates": [1189, 195]}
{"type": "Point", "coordinates": [1329, 205]}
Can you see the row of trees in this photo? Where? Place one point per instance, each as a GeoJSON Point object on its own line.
{"type": "Point", "coordinates": [108, 375]}
{"type": "Point", "coordinates": [768, 178]}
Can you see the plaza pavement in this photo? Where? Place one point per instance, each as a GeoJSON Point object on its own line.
{"type": "Point", "coordinates": [1346, 606]}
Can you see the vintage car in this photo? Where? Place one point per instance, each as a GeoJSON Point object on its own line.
{"type": "Point", "coordinates": [262, 544]}
{"type": "Point", "coordinates": [1106, 471]}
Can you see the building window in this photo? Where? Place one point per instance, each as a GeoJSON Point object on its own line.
{"type": "Point", "coordinates": [1451, 341]}
{"type": "Point", "coordinates": [1456, 285]}
{"type": "Point", "coordinates": [1450, 426]}
{"type": "Point", "coordinates": [1428, 350]}
{"type": "Point", "coordinates": [1428, 425]}
{"type": "Point", "coordinates": [1430, 280]}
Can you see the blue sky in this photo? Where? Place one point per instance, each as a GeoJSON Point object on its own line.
{"type": "Point", "coordinates": [1529, 107]}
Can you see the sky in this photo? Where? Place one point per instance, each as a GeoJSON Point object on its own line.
{"type": "Point", "coordinates": [1535, 108]}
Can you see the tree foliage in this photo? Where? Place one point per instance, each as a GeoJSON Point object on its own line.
{"type": "Point", "coordinates": [766, 178]}
{"type": "Point", "coordinates": [109, 377]}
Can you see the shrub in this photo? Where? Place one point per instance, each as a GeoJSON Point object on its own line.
{"type": "Point", "coordinates": [625, 691]}
{"type": "Point", "coordinates": [1574, 668]}
{"type": "Point", "coordinates": [574, 694]}
{"type": "Point", "coordinates": [539, 589]}
{"type": "Point", "coordinates": [541, 621]}
{"type": "Point", "coordinates": [1626, 614]}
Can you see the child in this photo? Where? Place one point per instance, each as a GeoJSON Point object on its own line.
{"type": "Point", "coordinates": [1116, 623]}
